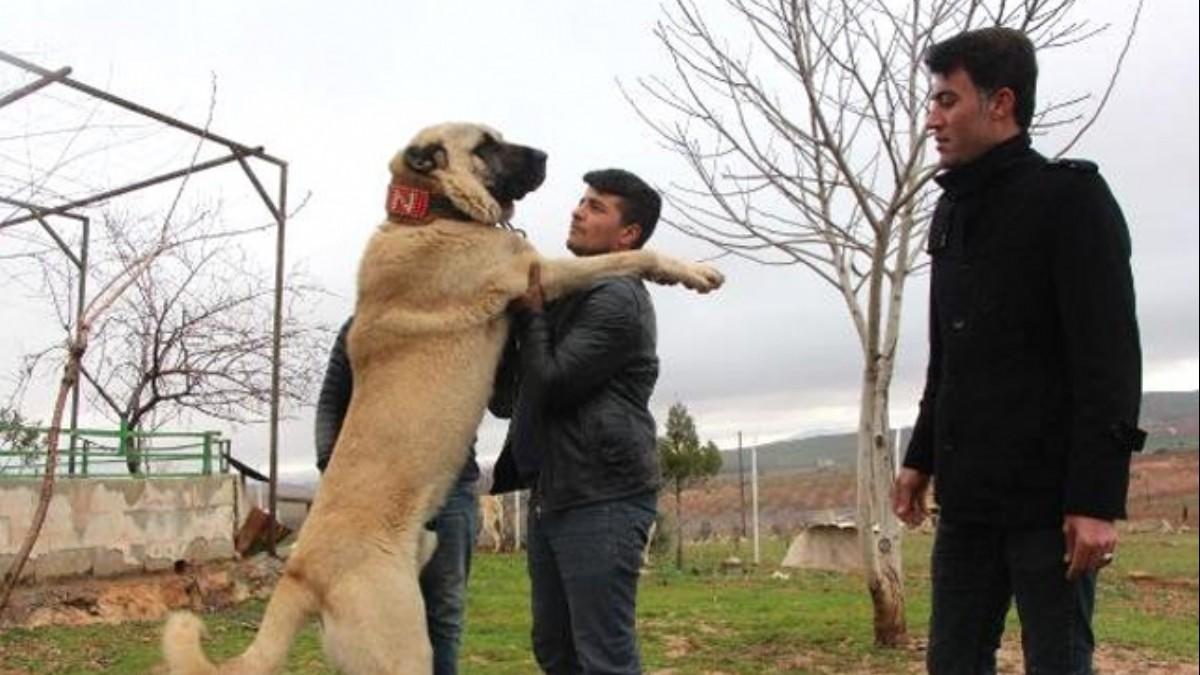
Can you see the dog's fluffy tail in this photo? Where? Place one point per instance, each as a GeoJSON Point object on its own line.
{"type": "Point", "coordinates": [181, 646]}
{"type": "Point", "coordinates": [290, 607]}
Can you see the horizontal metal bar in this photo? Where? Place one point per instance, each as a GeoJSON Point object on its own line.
{"type": "Point", "coordinates": [112, 433]}
{"type": "Point", "coordinates": [195, 168]}
{"type": "Point", "coordinates": [140, 109]}
{"type": "Point", "coordinates": [44, 80]}
{"type": "Point", "coordinates": [39, 208]}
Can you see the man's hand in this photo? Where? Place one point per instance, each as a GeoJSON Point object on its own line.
{"type": "Point", "coordinates": [534, 299]}
{"type": "Point", "coordinates": [908, 496]}
{"type": "Point", "coordinates": [1091, 543]}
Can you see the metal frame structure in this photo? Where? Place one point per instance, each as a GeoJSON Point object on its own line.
{"type": "Point", "coordinates": [238, 152]}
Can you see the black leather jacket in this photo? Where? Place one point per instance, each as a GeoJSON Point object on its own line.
{"type": "Point", "coordinates": [1032, 391]}
{"type": "Point", "coordinates": [578, 387]}
{"type": "Point", "coordinates": [334, 400]}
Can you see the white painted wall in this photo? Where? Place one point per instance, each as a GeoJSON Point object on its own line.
{"type": "Point", "coordinates": [107, 526]}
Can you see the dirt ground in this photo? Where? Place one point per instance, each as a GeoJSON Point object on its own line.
{"type": "Point", "coordinates": [144, 597]}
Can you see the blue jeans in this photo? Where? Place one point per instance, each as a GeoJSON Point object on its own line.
{"type": "Point", "coordinates": [977, 571]}
{"type": "Point", "coordinates": [584, 564]}
{"type": "Point", "coordinates": [444, 578]}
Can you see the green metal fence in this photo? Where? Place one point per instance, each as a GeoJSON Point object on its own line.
{"type": "Point", "coordinates": [113, 452]}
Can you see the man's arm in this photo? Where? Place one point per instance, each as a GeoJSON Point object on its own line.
{"type": "Point", "coordinates": [920, 453]}
{"type": "Point", "coordinates": [334, 398]}
{"type": "Point", "coordinates": [596, 345]}
{"type": "Point", "coordinates": [1095, 302]}
{"type": "Point", "coordinates": [912, 482]}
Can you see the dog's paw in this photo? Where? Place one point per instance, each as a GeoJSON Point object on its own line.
{"type": "Point", "coordinates": [702, 278]}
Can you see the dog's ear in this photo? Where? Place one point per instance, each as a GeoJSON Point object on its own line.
{"type": "Point", "coordinates": [425, 158]}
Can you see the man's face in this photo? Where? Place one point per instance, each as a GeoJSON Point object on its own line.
{"type": "Point", "coordinates": [959, 119]}
{"type": "Point", "coordinates": [596, 226]}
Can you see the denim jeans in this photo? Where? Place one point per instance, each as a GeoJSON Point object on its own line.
{"type": "Point", "coordinates": [584, 564]}
{"type": "Point", "coordinates": [977, 571]}
{"type": "Point", "coordinates": [444, 578]}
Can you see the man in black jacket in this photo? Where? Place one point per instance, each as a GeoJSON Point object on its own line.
{"type": "Point", "coordinates": [1031, 399]}
{"type": "Point", "coordinates": [583, 439]}
{"type": "Point", "coordinates": [444, 578]}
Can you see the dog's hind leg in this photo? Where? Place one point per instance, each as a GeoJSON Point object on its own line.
{"type": "Point", "coordinates": [375, 624]}
{"type": "Point", "coordinates": [291, 605]}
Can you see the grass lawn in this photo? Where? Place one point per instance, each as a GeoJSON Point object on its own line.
{"type": "Point", "coordinates": [700, 620]}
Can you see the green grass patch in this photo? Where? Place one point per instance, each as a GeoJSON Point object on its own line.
{"type": "Point", "coordinates": [697, 620]}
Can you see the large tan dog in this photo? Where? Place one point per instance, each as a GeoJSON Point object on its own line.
{"type": "Point", "coordinates": [429, 328]}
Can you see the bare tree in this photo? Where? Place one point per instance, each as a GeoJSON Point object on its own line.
{"type": "Point", "coordinates": [168, 296]}
{"type": "Point", "coordinates": [168, 237]}
{"type": "Point", "coordinates": [802, 125]}
{"type": "Point", "coordinates": [189, 336]}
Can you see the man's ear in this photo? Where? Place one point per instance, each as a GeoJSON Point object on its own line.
{"type": "Point", "coordinates": [1002, 104]}
{"type": "Point", "coordinates": [629, 236]}
{"type": "Point", "coordinates": [425, 158]}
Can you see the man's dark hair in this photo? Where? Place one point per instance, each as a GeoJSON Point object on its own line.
{"type": "Point", "coordinates": [994, 58]}
{"type": "Point", "coordinates": [639, 202]}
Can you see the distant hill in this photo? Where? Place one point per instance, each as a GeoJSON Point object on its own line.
{"type": "Point", "coordinates": [814, 452]}
{"type": "Point", "coordinates": [1170, 418]}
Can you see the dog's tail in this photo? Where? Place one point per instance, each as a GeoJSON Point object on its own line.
{"type": "Point", "coordinates": [291, 605]}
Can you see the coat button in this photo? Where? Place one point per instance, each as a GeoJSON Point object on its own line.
{"type": "Point", "coordinates": [958, 324]}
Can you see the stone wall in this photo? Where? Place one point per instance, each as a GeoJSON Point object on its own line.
{"type": "Point", "coordinates": [108, 526]}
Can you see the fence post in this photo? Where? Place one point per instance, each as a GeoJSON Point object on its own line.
{"type": "Point", "coordinates": [754, 498]}
{"type": "Point", "coordinates": [86, 449]}
{"type": "Point", "coordinates": [207, 461]}
{"type": "Point", "coordinates": [123, 439]}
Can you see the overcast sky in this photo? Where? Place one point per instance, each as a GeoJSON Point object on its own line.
{"type": "Point", "coordinates": [336, 89]}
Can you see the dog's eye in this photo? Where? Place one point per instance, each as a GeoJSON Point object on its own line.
{"type": "Point", "coordinates": [486, 143]}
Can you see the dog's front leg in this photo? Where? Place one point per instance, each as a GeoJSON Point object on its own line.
{"type": "Point", "coordinates": [561, 276]}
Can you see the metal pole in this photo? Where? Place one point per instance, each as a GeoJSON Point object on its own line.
{"type": "Point", "coordinates": [83, 272]}
{"type": "Point", "coordinates": [139, 109]}
{"type": "Point", "coordinates": [896, 451]}
{"type": "Point", "coordinates": [754, 496]}
{"type": "Point", "coordinates": [206, 460]}
{"type": "Point", "coordinates": [741, 488]}
{"type": "Point", "coordinates": [280, 234]}
{"type": "Point", "coordinates": [18, 94]}
{"type": "Point", "coordinates": [132, 187]}
{"type": "Point", "coordinates": [517, 521]}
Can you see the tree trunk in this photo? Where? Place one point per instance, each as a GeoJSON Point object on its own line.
{"type": "Point", "coordinates": [678, 525]}
{"type": "Point", "coordinates": [879, 529]}
{"type": "Point", "coordinates": [70, 376]}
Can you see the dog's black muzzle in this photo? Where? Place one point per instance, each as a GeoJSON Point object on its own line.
{"type": "Point", "coordinates": [518, 170]}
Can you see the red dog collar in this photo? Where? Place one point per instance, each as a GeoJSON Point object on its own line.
{"type": "Point", "coordinates": [407, 202]}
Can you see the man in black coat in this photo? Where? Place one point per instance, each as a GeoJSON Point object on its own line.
{"type": "Point", "coordinates": [582, 438]}
{"type": "Point", "coordinates": [1030, 408]}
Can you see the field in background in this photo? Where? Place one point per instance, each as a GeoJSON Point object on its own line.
{"type": "Point", "coordinates": [703, 620]}
{"type": "Point", "coordinates": [1164, 486]}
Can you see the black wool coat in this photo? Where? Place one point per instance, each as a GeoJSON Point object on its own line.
{"type": "Point", "coordinates": [1033, 383]}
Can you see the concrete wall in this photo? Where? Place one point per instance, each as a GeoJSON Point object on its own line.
{"type": "Point", "coordinates": [107, 526]}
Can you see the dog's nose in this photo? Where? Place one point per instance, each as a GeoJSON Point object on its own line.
{"type": "Point", "coordinates": [537, 161]}
{"type": "Point", "coordinates": [537, 166]}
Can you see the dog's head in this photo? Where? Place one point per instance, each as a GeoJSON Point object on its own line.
{"type": "Point", "coordinates": [473, 166]}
